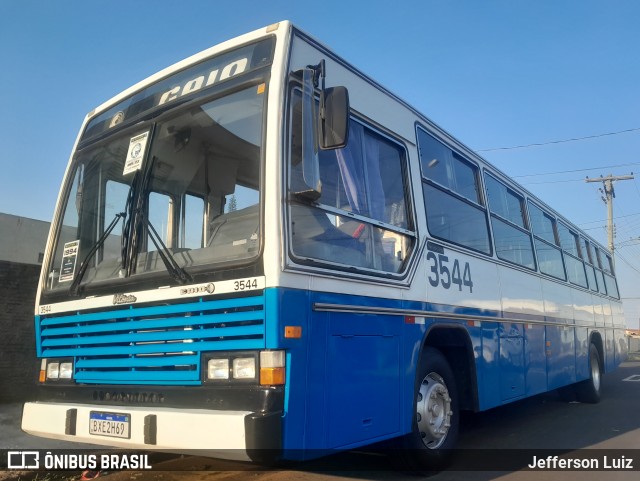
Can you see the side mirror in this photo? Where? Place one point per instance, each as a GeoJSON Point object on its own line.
{"type": "Point", "coordinates": [334, 118]}
{"type": "Point", "coordinates": [326, 127]}
{"type": "Point", "coordinates": [310, 162]}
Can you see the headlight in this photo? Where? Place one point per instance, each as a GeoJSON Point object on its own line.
{"type": "Point", "coordinates": [218, 369]}
{"type": "Point", "coordinates": [53, 370]}
{"type": "Point", "coordinates": [66, 370]}
{"type": "Point", "coordinates": [244, 368]}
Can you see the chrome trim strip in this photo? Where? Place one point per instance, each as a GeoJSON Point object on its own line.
{"type": "Point", "coordinates": [354, 309]}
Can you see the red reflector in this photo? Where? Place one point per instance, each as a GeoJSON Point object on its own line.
{"type": "Point", "coordinates": [409, 319]}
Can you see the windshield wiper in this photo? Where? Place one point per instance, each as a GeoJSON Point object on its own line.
{"type": "Point", "coordinates": [128, 242]}
{"type": "Point", "coordinates": [175, 271]}
{"type": "Point", "coordinates": [137, 218]}
{"type": "Point", "coordinates": [74, 288]}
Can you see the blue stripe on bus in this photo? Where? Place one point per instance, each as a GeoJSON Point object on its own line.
{"type": "Point", "coordinates": [116, 346]}
{"type": "Point", "coordinates": [154, 348]}
{"type": "Point", "coordinates": [154, 311]}
{"type": "Point", "coordinates": [139, 337]}
{"type": "Point", "coordinates": [153, 323]}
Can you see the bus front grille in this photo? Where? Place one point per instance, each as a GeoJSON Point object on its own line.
{"type": "Point", "coordinates": [152, 344]}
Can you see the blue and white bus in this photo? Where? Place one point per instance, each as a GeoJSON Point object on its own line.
{"type": "Point", "coordinates": [261, 248]}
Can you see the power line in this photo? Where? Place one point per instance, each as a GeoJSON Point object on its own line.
{"type": "Point", "coordinates": [553, 182]}
{"type": "Point", "coordinates": [575, 170]}
{"type": "Point", "coordinates": [628, 263]}
{"type": "Point", "coordinates": [604, 220]}
{"type": "Point", "coordinates": [575, 139]}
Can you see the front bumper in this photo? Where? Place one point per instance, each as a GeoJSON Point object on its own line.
{"type": "Point", "coordinates": [226, 434]}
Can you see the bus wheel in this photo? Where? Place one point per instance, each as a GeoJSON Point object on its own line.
{"type": "Point", "coordinates": [588, 391]}
{"type": "Point", "coordinates": [435, 422]}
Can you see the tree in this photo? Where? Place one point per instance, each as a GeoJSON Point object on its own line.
{"type": "Point", "coordinates": [233, 204]}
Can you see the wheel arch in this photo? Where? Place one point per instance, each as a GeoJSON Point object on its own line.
{"type": "Point", "coordinates": [595, 338]}
{"type": "Point", "coordinates": [454, 342]}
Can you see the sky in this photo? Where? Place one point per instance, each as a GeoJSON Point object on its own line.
{"type": "Point", "coordinates": [496, 74]}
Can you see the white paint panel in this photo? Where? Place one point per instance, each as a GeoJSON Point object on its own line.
{"type": "Point", "coordinates": [521, 292]}
{"type": "Point", "coordinates": [485, 293]}
{"type": "Point", "coordinates": [597, 311]}
{"type": "Point", "coordinates": [363, 97]}
{"type": "Point", "coordinates": [557, 300]}
{"type": "Point", "coordinates": [177, 429]}
{"type": "Point", "coordinates": [583, 307]}
{"type": "Point", "coordinates": [607, 311]}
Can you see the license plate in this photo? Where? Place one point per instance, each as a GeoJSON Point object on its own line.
{"type": "Point", "coordinates": [110, 424]}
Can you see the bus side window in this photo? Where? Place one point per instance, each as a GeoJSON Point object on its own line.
{"type": "Point", "coordinates": [510, 233]}
{"type": "Point", "coordinates": [451, 186]}
{"type": "Point", "coordinates": [361, 217]}
{"type": "Point", "coordinates": [575, 266]}
{"type": "Point", "coordinates": [585, 249]}
{"type": "Point", "coordinates": [602, 285]}
{"type": "Point", "coordinates": [609, 279]}
{"type": "Point", "coordinates": [549, 254]}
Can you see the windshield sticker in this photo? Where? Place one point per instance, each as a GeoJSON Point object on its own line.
{"type": "Point", "coordinates": [69, 258]}
{"type": "Point", "coordinates": [137, 146]}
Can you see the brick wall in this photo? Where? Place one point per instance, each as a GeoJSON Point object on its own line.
{"type": "Point", "coordinates": [18, 364]}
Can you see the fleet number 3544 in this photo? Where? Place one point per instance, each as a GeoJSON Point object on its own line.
{"type": "Point", "coordinates": [442, 275]}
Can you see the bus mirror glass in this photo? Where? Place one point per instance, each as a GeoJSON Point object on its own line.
{"type": "Point", "coordinates": [310, 162]}
{"type": "Point", "coordinates": [335, 124]}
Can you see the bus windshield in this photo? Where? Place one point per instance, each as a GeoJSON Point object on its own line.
{"type": "Point", "coordinates": [194, 176]}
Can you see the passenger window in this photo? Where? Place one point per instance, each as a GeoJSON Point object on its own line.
{"type": "Point", "coordinates": [549, 255]}
{"type": "Point", "coordinates": [542, 224]}
{"type": "Point", "coordinates": [550, 259]}
{"type": "Point", "coordinates": [585, 248]}
{"type": "Point", "coordinates": [512, 240]}
{"type": "Point", "coordinates": [452, 196]}
{"type": "Point", "coordinates": [568, 240]}
{"type": "Point", "coordinates": [445, 167]}
{"type": "Point", "coordinates": [361, 218]}
{"type": "Point", "coordinates": [610, 281]}
{"type": "Point", "coordinates": [575, 267]}
{"type": "Point", "coordinates": [608, 265]}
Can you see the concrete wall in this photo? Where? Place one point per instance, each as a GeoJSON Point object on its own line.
{"type": "Point", "coordinates": [22, 240]}
{"type": "Point", "coordinates": [22, 243]}
{"type": "Point", "coordinates": [18, 365]}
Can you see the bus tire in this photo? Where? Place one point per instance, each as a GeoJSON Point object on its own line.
{"type": "Point", "coordinates": [589, 390]}
{"type": "Point", "coordinates": [435, 419]}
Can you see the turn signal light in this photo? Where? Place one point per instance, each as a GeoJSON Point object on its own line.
{"type": "Point", "coordinates": [272, 368]}
{"type": "Point", "coordinates": [272, 376]}
{"type": "Point", "coordinates": [43, 371]}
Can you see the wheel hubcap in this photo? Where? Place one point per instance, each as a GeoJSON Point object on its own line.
{"type": "Point", "coordinates": [433, 411]}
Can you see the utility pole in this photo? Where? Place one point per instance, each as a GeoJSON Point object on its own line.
{"type": "Point", "coordinates": [609, 195]}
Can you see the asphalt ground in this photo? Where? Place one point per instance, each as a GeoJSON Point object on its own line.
{"type": "Point", "coordinates": [517, 431]}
